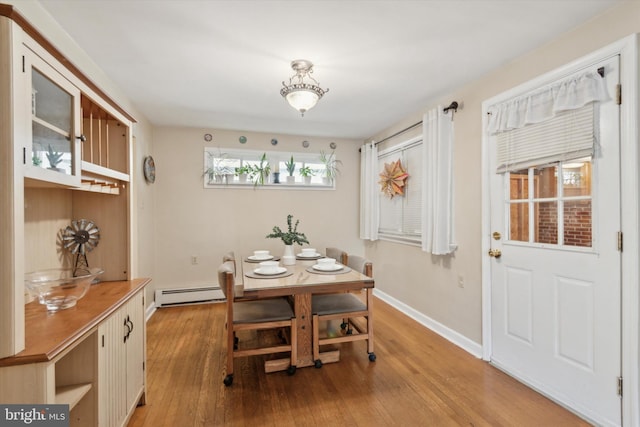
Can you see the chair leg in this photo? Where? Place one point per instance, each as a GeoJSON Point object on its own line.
{"type": "Point", "coordinates": [231, 340]}
{"type": "Point", "coordinates": [294, 342]}
{"type": "Point", "coordinates": [372, 356]}
{"type": "Point", "coordinates": [316, 341]}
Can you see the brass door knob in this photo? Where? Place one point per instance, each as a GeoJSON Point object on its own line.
{"type": "Point", "coordinates": [495, 253]}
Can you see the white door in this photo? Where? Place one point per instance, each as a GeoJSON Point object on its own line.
{"type": "Point", "coordinates": [556, 287]}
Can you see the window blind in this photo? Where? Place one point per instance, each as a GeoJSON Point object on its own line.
{"type": "Point", "coordinates": [568, 135]}
{"type": "Point", "coordinates": [400, 217]}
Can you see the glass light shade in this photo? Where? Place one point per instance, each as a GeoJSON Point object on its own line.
{"type": "Point", "coordinates": [302, 100]}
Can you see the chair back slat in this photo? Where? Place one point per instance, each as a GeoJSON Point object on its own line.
{"type": "Point", "coordinates": [225, 279]}
{"type": "Point", "coordinates": [230, 256]}
{"type": "Point", "coordinates": [361, 265]}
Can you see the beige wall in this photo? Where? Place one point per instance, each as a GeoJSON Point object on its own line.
{"type": "Point", "coordinates": [193, 221]}
{"type": "Point", "coordinates": [431, 285]}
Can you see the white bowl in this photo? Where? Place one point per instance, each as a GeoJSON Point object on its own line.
{"type": "Point", "coordinates": [269, 267]}
{"type": "Point", "coordinates": [261, 254]}
{"type": "Point", "coordinates": [310, 252]}
{"type": "Point", "coordinates": [327, 262]}
{"type": "Point", "coordinates": [57, 288]}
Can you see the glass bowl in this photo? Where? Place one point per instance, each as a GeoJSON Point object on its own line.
{"type": "Point", "coordinates": [57, 288]}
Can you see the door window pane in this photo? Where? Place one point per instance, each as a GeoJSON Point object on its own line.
{"type": "Point", "coordinates": [519, 184]}
{"type": "Point", "coordinates": [545, 182]}
{"type": "Point", "coordinates": [546, 225]}
{"type": "Point", "coordinates": [576, 178]}
{"type": "Point", "coordinates": [519, 222]}
{"type": "Point", "coordinates": [577, 223]}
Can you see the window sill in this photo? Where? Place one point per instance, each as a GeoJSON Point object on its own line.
{"type": "Point", "coordinates": [270, 186]}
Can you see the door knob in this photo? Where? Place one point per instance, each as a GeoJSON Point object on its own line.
{"type": "Point", "coordinates": [495, 253]}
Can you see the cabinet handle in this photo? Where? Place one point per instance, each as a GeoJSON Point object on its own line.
{"type": "Point", "coordinates": [126, 324]}
{"type": "Point", "coordinates": [81, 138]}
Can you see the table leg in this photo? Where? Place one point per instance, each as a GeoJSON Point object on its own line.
{"type": "Point", "coordinates": [302, 308]}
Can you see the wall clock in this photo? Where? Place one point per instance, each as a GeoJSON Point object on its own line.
{"type": "Point", "coordinates": [149, 168]}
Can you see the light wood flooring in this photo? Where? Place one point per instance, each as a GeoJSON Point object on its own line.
{"type": "Point", "coordinates": [419, 379]}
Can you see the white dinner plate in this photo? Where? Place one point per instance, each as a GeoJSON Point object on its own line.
{"type": "Point", "coordinates": [279, 270]}
{"type": "Point", "coordinates": [301, 255]}
{"type": "Point", "coordinates": [253, 258]}
{"type": "Point", "coordinates": [334, 267]}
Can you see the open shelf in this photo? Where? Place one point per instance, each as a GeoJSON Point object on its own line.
{"type": "Point", "coordinates": [71, 394]}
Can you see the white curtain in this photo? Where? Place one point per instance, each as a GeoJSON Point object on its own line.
{"type": "Point", "coordinates": [437, 213]}
{"type": "Point", "coordinates": [570, 93]}
{"type": "Point", "coordinates": [369, 210]}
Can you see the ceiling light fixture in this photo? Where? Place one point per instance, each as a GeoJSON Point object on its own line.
{"type": "Point", "coordinates": [302, 95]}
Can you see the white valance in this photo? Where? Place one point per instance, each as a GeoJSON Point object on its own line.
{"type": "Point", "coordinates": [568, 94]}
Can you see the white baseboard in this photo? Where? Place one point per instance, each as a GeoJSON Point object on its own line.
{"type": "Point", "coordinates": [449, 334]}
{"type": "Point", "coordinates": [150, 310]}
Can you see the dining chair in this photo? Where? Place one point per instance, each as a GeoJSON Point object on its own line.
{"type": "Point", "coordinates": [338, 254]}
{"type": "Point", "coordinates": [230, 256]}
{"type": "Point", "coordinates": [345, 306]}
{"type": "Point", "coordinates": [254, 315]}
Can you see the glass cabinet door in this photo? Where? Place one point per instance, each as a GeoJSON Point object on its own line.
{"type": "Point", "coordinates": [54, 124]}
{"type": "Point", "coordinates": [51, 124]}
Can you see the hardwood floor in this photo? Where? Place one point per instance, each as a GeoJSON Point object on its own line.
{"type": "Point", "coordinates": [419, 379]}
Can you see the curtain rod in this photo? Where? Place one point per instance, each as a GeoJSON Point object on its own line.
{"type": "Point", "coordinates": [453, 106]}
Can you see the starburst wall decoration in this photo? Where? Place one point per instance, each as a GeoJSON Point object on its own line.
{"type": "Point", "coordinates": [393, 179]}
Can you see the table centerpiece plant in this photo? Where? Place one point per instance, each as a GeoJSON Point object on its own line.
{"type": "Point", "coordinates": [289, 237]}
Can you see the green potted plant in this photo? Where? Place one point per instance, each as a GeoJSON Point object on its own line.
{"type": "Point", "coordinates": [260, 172]}
{"type": "Point", "coordinates": [54, 159]}
{"type": "Point", "coordinates": [331, 167]}
{"type": "Point", "coordinates": [306, 172]}
{"type": "Point", "coordinates": [291, 168]}
{"type": "Point", "coordinates": [242, 172]}
{"type": "Point", "coordinates": [217, 169]}
{"type": "Point", "coordinates": [289, 237]}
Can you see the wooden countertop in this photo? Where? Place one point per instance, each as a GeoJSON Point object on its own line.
{"type": "Point", "coordinates": [50, 334]}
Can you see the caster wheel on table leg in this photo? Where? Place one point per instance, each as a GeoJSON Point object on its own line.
{"type": "Point", "coordinates": [228, 380]}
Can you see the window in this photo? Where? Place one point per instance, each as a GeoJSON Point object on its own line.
{"type": "Point", "coordinates": [552, 204]}
{"type": "Point", "coordinates": [400, 216]}
{"type": "Point", "coordinates": [243, 168]}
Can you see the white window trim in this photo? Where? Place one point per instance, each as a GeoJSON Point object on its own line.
{"type": "Point", "coordinates": [274, 157]}
{"type": "Point", "coordinates": [400, 237]}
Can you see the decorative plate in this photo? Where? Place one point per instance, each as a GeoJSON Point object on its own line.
{"type": "Point", "coordinates": [149, 168]}
{"type": "Point", "coordinates": [274, 141]}
{"type": "Point", "coordinates": [242, 139]}
{"type": "Point", "coordinates": [208, 137]}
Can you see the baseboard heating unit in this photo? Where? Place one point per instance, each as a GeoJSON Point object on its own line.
{"type": "Point", "coordinates": [181, 296]}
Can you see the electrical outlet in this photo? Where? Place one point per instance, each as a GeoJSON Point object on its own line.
{"type": "Point", "coordinates": [460, 281]}
{"type": "Point", "coordinates": [194, 260]}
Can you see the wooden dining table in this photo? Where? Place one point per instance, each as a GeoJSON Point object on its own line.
{"type": "Point", "coordinates": [300, 282]}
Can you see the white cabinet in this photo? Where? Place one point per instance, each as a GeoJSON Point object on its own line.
{"type": "Point", "coordinates": [121, 363]}
{"type": "Point", "coordinates": [54, 126]}
{"type": "Point", "coordinates": [68, 379]}
{"type": "Point", "coordinates": [91, 357]}
{"type": "Point", "coordinates": [65, 154]}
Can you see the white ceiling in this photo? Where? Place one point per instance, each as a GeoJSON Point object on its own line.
{"type": "Point", "coordinates": [220, 64]}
